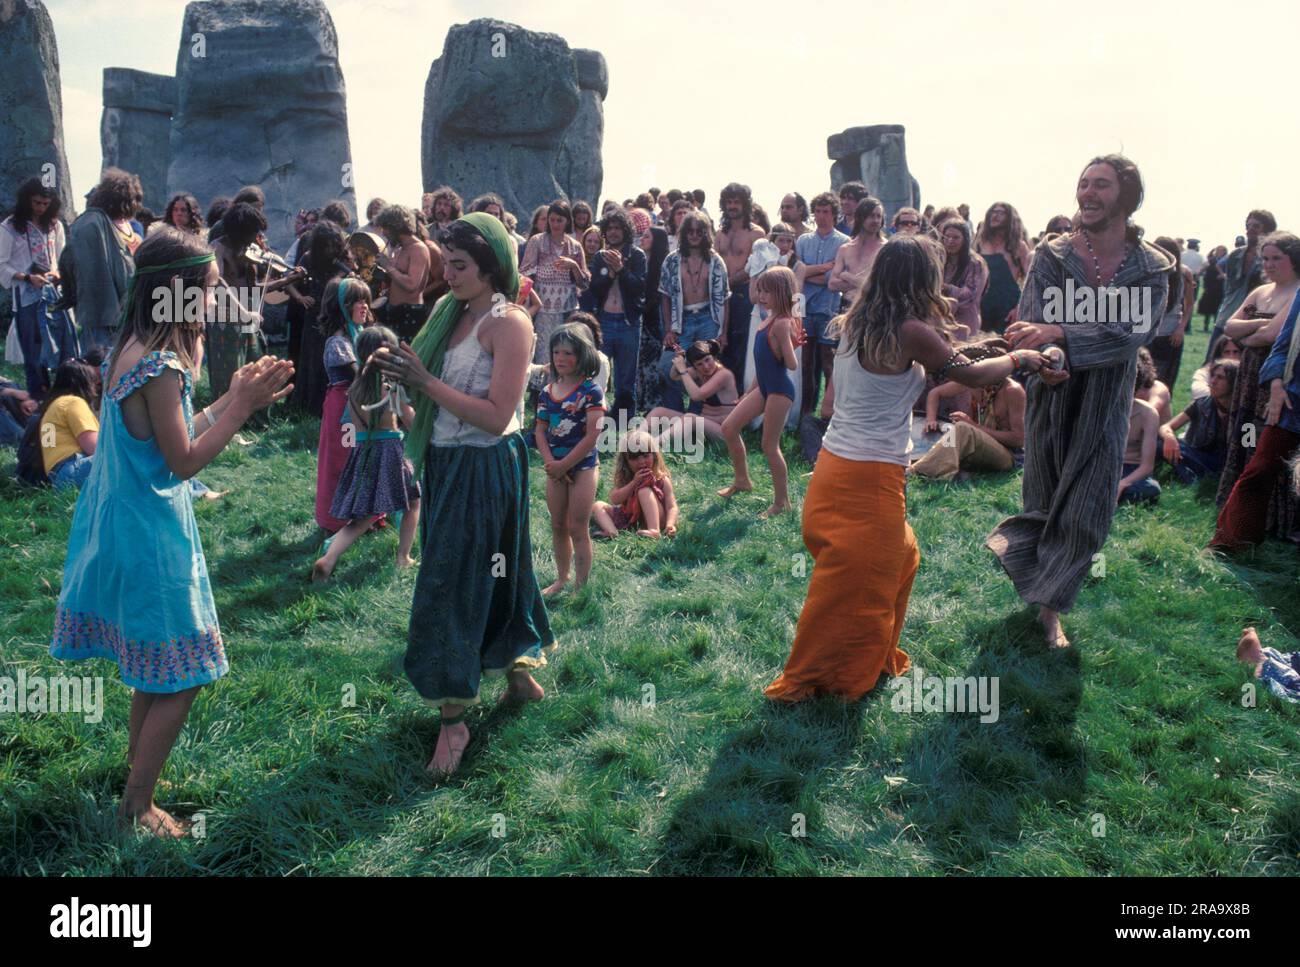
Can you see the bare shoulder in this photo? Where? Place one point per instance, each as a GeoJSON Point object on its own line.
{"type": "Point", "coordinates": [1144, 410]}
{"type": "Point", "coordinates": [511, 322]}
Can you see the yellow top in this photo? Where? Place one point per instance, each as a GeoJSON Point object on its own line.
{"type": "Point", "coordinates": [67, 418]}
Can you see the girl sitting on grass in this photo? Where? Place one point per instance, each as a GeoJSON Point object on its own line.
{"type": "Point", "coordinates": [569, 412]}
{"type": "Point", "coordinates": [135, 583]}
{"type": "Point", "coordinates": [772, 394]}
{"type": "Point", "coordinates": [378, 479]}
{"type": "Point", "coordinates": [642, 498]}
{"type": "Point", "coordinates": [68, 428]}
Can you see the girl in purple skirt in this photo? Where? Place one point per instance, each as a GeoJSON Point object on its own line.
{"type": "Point", "coordinates": [378, 478]}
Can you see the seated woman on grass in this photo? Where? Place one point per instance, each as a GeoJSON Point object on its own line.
{"type": "Point", "coordinates": [68, 426]}
{"type": "Point", "coordinates": [1204, 446]}
{"type": "Point", "coordinates": [711, 387]}
{"type": "Point", "coordinates": [642, 498]}
{"type": "Point", "coordinates": [984, 437]}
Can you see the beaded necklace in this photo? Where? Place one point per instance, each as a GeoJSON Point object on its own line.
{"type": "Point", "coordinates": [1096, 262]}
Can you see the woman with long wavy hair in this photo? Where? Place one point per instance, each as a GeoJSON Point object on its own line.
{"type": "Point", "coordinates": [1001, 241]}
{"type": "Point", "coordinates": [855, 511]}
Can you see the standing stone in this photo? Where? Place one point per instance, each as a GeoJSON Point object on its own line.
{"type": "Point", "coordinates": [136, 126]}
{"type": "Point", "coordinates": [579, 167]}
{"type": "Point", "coordinates": [877, 156]}
{"type": "Point", "coordinates": [31, 104]}
{"type": "Point", "coordinates": [261, 101]}
{"type": "Point", "coordinates": [497, 105]}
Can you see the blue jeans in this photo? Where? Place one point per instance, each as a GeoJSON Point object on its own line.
{"type": "Point", "coordinates": [1196, 463]}
{"type": "Point", "coordinates": [71, 472]}
{"type": "Point", "coordinates": [622, 341]}
{"type": "Point", "coordinates": [1144, 491]}
{"type": "Point", "coordinates": [695, 326]}
{"type": "Point", "coordinates": [31, 337]}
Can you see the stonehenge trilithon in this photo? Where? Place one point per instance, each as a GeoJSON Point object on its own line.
{"type": "Point", "coordinates": [135, 128]}
{"type": "Point", "coordinates": [499, 105]}
{"type": "Point", "coordinates": [876, 155]}
{"type": "Point", "coordinates": [261, 101]}
{"type": "Point", "coordinates": [31, 104]}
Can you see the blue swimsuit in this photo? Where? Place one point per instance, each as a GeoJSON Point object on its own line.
{"type": "Point", "coordinates": [771, 373]}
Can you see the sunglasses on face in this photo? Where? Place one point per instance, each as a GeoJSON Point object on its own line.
{"type": "Point", "coordinates": [908, 224]}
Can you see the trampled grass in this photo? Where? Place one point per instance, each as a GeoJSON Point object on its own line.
{"type": "Point", "coordinates": [654, 752]}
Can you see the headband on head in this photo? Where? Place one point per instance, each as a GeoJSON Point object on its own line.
{"type": "Point", "coordinates": [142, 270]}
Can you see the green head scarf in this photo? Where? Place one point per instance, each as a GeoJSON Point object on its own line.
{"type": "Point", "coordinates": [430, 343]}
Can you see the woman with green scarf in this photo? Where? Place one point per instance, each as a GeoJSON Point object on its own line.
{"type": "Point", "coordinates": [478, 607]}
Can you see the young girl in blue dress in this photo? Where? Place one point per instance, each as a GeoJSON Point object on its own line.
{"type": "Point", "coordinates": [378, 479]}
{"type": "Point", "coordinates": [569, 411]}
{"type": "Point", "coordinates": [135, 583]}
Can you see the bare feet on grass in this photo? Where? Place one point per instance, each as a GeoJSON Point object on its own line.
{"type": "Point", "coordinates": [774, 510]}
{"type": "Point", "coordinates": [152, 819]}
{"type": "Point", "coordinates": [215, 494]}
{"type": "Point", "coordinates": [1250, 650]}
{"type": "Point", "coordinates": [453, 740]}
{"type": "Point", "coordinates": [405, 562]}
{"type": "Point", "coordinates": [551, 590]}
{"type": "Point", "coordinates": [522, 688]}
{"type": "Point", "coordinates": [736, 488]}
{"type": "Point", "coordinates": [1052, 630]}
{"type": "Point", "coordinates": [652, 534]}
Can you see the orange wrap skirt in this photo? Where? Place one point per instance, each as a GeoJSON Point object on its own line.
{"type": "Point", "coordinates": [864, 561]}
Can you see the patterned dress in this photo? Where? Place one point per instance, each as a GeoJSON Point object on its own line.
{"type": "Point", "coordinates": [555, 287]}
{"type": "Point", "coordinates": [135, 582]}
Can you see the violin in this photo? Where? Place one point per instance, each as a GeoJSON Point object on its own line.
{"type": "Point", "coordinates": [260, 257]}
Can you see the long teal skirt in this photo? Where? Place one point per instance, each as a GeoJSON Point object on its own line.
{"type": "Point", "coordinates": [478, 608]}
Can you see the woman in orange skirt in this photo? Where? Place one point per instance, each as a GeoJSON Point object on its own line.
{"type": "Point", "coordinates": [855, 512]}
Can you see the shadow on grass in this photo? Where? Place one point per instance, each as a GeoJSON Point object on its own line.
{"type": "Point", "coordinates": [764, 778]}
{"type": "Point", "coordinates": [970, 781]}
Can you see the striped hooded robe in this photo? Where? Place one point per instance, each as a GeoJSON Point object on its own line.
{"type": "Point", "coordinates": [1075, 432]}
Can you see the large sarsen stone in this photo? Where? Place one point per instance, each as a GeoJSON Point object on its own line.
{"type": "Point", "coordinates": [135, 128]}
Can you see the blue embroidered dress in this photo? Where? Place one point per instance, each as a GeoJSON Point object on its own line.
{"type": "Point", "coordinates": [135, 583]}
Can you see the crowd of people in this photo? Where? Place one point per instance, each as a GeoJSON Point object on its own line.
{"type": "Point", "coordinates": [437, 345]}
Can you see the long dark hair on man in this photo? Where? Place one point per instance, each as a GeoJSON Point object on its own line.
{"type": "Point", "coordinates": [683, 233]}
{"type": "Point", "coordinates": [1131, 191]}
{"type": "Point", "coordinates": [326, 245]}
{"type": "Point", "coordinates": [29, 189]}
{"type": "Point", "coordinates": [118, 194]}
{"type": "Point", "coordinates": [742, 192]}
{"type": "Point", "coordinates": [905, 283]}
{"type": "Point", "coordinates": [178, 335]}
{"type": "Point", "coordinates": [866, 207]}
{"type": "Point", "coordinates": [1176, 253]}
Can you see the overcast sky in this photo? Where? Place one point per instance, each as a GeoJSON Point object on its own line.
{"type": "Point", "coordinates": [1002, 100]}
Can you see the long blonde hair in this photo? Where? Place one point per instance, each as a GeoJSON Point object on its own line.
{"type": "Point", "coordinates": [637, 442]}
{"type": "Point", "coordinates": [906, 282]}
{"type": "Point", "coordinates": [778, 281]}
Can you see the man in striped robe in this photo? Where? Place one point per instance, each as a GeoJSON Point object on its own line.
{"type": "Point", "coordinates": [1095, 293]}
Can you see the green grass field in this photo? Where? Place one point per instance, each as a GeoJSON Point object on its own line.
{"type": "Point", "coordinates": [1138, 732]}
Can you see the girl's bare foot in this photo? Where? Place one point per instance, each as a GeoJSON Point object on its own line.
{"type": "Point", "coordinates": [736, 488]}
{"type": "Point", "coordinates": [1249, 649]}
{"type": "Point", "coordinates": [606, 535]}
{"type": "Point", "coordinates": [522, 688]}
{"type": "Point", "coordinates": [774, 510]}
{"type": "Point", "coordinates": [648, 533]}
{"type": "Point", "coordinates": [551, 590]}
{"type": "Point", "coordinates": [215, 494]}
{"type": "Point", "coordinates": [321, 571]}
{"type": "Point", "coordinates": [405, 562]}
{"type": "Point", "coordinates": [453, 740]}
{"type": "Point", "coordinates": [152, 819]}
{"type": "Point", "coordinates": [1052, 630]}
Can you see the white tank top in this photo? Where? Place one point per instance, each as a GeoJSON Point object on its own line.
{"type": "Point", "coordinates": [467, 367]}
{"type": "Point", "coordinates": [873, 413]}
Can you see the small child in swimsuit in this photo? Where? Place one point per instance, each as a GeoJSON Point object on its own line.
{"type": "Point", "coordinates": [569, 415]}
{"type": "Point", "coordinates": [378, 479]}
{"type": "Point", "coordinates": [772, 394]}
{"type": "Point", "coordinates": [642, 498]}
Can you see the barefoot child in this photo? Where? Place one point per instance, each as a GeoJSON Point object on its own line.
{"type": "Point", "coordinates": [135, 583]}
{"type": "Point", "coordinates": [1279, 670]}
{"type": "Point", "coordinates": [642, 498]}
{"type": "Point", "coordinates": [772, 394]}
{"type": "Point", "coordinates": [378, 479]}
{"type": "Point", "coordinates": [569, 411]}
